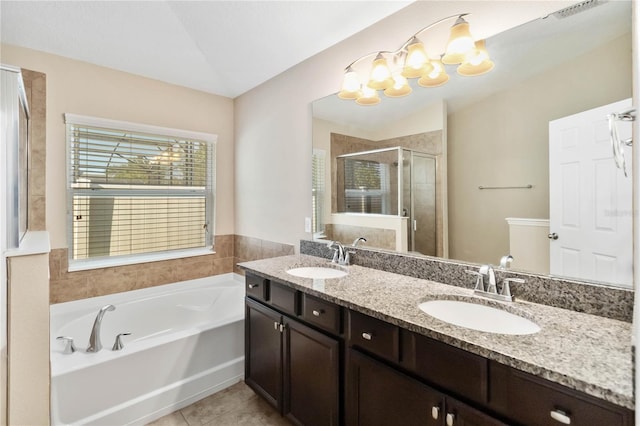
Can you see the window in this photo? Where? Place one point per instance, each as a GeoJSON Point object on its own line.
{"type": "Point", "coordinates": [136, 192]}
{"type": "Point", "coordinates": [366, 186]}
{"type": "Point", "coordinates": [318, 191]}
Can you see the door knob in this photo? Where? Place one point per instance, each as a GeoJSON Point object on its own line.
{"type": "Point", "coordinates": [553, 236]}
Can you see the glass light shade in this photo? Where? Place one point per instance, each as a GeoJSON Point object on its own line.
{"type": "Point", "coordinates": [437, 77]}
{"type": "Point", "coordinates": [477, 61]}
{"type": "Point", "coordinates": [368, 96]}
{"type": "Point", "coordinates": [400, 87]}
{"type": "Point", "coordinates": [460, 43]}
{"type": "Point", "coordinates": [350, 85]}
{"type": "Point", "coordinates": [380, 77]}
{"type": "Point", "coordinates": [417, 61]}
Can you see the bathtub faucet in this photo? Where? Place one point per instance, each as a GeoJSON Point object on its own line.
{"type": "Point", "coordinates": [94, 340]}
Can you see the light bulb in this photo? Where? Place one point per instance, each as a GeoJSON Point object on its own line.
{"type": "Point", "coordinates": [350, 85]}
{"type": "Point", "coordinates": [416, 60]}
{"type": "Point", "coordinates": [460, 42]}
{"type": "Point", "coordinates": [400, 86]}
{"type": "Point", "coordinates": [380, 77]}
{"type": "Point", "coordinates": [368, 96]}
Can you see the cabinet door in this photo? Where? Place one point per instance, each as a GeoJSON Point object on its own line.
{"type": "Point", "coordinates": [459, 414]}
{"type": "Point", "coordinates": [263, 352]}
{"type": "Point", "coordinates": [311, 376]}
{"type": "Point", "coordinates": [380, 396]}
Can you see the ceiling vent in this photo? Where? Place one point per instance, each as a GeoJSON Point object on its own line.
{"type": "Point", "coordinates": [577, 8]}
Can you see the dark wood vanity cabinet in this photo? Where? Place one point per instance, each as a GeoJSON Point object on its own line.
{"type": "Point", "coordinates": [530, 400]}
{"type": "Point", "coordinates": [321, 364]}
{"type": "Point", "coordinates": [381, 394]}
{"type": "Point", "coordinates": [263, 352]}
{"type": "Point", "coordinates": [294, 367]}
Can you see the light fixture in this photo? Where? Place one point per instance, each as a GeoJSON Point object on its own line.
{"type": "Point", "coordinates": [368, 96]}
{"type": "Point", "coordinates": [400, 86]}
{"type": "Point", "coordinates": [477, 61]}
{"type": "Point", "coordinates": [412, 61]}
{"type": "Point", "coordinates": [380, 77]}
{"type": "Point", "coordinates": [437, 77]}
{"type": "Point", "coordinates": [350, 85]}
{"type": "Point", "coordinates": [460, 42]}
{"type": "Point", "coordinates": [417, 62]}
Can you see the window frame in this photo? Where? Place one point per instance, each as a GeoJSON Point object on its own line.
{"type": "Point", "coordinates": [130, 259]}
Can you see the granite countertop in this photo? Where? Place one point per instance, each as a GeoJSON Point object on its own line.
{"type": "Point", "coordinates": [585, 352]}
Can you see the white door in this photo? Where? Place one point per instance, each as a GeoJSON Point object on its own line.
{"type": "Point", "coordinates": [590, 203]}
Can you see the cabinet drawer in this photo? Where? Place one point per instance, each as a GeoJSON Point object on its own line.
{"type": "Point", "coordinates": [283, 298]}
{"type": "Point", "coordinates": [257, 287]}
{"type": "Point", "coordinates": [532, 400]}
{"type": "Point", "coordinates": [374, 335]}
{"type": "Point", "coordinates": [321, 313]}
{"type": "Point", "coordinates": [457, 371]}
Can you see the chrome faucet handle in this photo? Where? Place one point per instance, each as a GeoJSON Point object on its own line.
{"type": "Point", "coordinates": [335, 256]}
{"type": "Point", "coordinates": [339, 255]}
{"type": "Point", "coordinates": [347, 257]}
{"type": "Point", "coordinates": [479, 279]}
{"type": "Point", "coordinates": [118, 345]}
{"type": "Point", "coordinates": [69, 347]}
{"type": "Point", "coordinates": [488, 273]}
{"type": "Point", "coordinates": [506, 288]}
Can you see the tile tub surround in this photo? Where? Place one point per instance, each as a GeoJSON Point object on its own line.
{"type": "Point", "coordinates": [35, 84]}
{"type": "Point", "coordinates": [66, 286]}
{"type": "Point", "coordinates": [602, 300]}
{"type": "Point", "coordinates": [249, 248]}
{"type": "Point", "coordinates": [584, 352]}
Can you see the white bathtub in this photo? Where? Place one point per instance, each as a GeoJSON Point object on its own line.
{"type": "Point", "coordinates": [187, 342]}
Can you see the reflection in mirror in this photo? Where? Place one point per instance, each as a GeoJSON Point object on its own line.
{"type": "Point", "coordinates": [495, 133]}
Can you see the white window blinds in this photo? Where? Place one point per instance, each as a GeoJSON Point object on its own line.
{"type": "Point", "coordinates": [137, 191]}
{"type": "Point", "coordinates": [365, 186]}
{"type": "Point", "coordinates": [318, 190]}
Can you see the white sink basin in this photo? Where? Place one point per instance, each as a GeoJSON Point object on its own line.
{"type": "Point", "coordinates": [479, 317]}
{"type": "Point", "coordinates": [317, 272]}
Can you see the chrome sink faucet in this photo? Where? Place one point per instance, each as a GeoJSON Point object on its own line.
{"type": "Point", "coordinates": [357, 240]}
{"type": "Point", "coordinates": [94, 340]}
{"type": "Point", "coordinates": [338, 252]}
{"type": "Point", "coordinates": [487, 284]}
{"type": "Point", "coordinates": [341, 255]}
{"type": "Point", "coordinates": [488, 279]}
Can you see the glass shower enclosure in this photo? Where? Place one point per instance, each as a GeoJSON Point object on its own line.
{"type": "Point", "coordinates": [392, 181]}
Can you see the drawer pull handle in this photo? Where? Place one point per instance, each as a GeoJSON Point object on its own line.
{"type": "Point", "coordinates": [435, 412]}
{"type": "Point", "coordinates": [367, 336]}
{"type": "Point", "coordinates": [276, 325]}
{"type": "Point", "coordinates": [254, 285]}
{"type": "Point", "coordinates": [451, 418]}
{"type": "Point", "coordinates": [560, 416]}
{"type": "Point", "coordinates": [317, 313]}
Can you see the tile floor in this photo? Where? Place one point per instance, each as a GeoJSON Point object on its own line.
{"type": "Point", "coordinates": [237, 405]}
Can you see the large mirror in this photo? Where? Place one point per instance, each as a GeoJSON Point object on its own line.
{"type": "Point", "coordinates": [488, 137]}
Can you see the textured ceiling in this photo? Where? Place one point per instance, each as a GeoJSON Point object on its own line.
{"type": "Point", "coordinates": [220, 47]}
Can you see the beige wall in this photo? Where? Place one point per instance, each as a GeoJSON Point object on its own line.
{"type": "Point", "coordinates": [273, 121]}
{"type": "Point", "coordinates": [81, 88]}
{"type": "Point", "coordinates": [28, 295]}
{"type": "Point", "coordinates": [493, 143]}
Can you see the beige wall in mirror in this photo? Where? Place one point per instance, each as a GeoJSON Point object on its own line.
{"type": "Point", "coordinates": [503, 141]}
{"type": "Point", "coordinates": [496, 128]}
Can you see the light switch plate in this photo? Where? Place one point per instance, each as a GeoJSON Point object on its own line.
{"type": "Point", "coordinates": [307, 224]}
